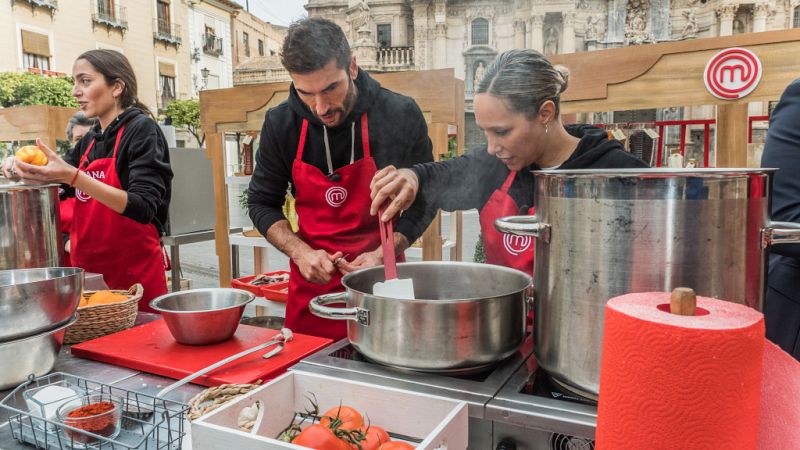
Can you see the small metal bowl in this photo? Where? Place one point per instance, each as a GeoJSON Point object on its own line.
{"type": "Point", "coordinates": [202, 316]}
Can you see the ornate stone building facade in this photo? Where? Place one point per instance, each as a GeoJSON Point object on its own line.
{"type": "Point", "coordinates": [466, 35]}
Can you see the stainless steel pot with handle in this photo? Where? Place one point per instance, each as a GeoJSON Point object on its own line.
{"type": "Point", "coordinates": [466, 316]}
{"type": "Point", "coordinates": [30, 226]}
{"type": "Point", "coordinates": [603, 233]}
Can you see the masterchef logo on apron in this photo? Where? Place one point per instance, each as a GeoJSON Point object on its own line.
{"type": "Point", "coordinates": [516, 245]}
{"type": "Point", "coordinates": [336, 196]}
{"type": "Point", "coordinates": [97, 175]}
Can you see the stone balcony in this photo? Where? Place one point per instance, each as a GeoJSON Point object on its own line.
{"type": "Point", "coordinates": [269, 69]}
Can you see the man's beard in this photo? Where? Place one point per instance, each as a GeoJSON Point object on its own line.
{"type": "Point", "coordinates": [347, 104]}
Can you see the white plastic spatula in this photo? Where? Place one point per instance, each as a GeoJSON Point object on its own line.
{"type": "Point", "coordinates": [392, 287]}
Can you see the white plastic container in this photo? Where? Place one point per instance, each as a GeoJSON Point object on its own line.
{"type": "Point", "coordinates": [438, 422]}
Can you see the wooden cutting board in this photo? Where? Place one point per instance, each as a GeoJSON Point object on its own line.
{"type": "Point", "coordinates": [151, 348]}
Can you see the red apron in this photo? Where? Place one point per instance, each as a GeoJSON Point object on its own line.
{"type": "Point", "coordinates": [502, 248]}
{"type": "Point", "coordinates": [332, 216]}
{"type": "Point", "coordinates": [66, 208]}
{"type": "Point", "coordinates": [125, 251]}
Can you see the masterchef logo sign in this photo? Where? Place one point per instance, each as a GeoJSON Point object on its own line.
{"type": "Point", "coordinates": [516, 245]}
{"type": "Point", "coordinates": [336, 196]}
{"type": "Point", "coordinates": [732, 73]}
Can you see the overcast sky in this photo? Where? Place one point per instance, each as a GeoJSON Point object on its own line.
{"type": "Point", "coordinates": [280, 12]}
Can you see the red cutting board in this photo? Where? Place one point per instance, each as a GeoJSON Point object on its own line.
{"type": "Point", "coordinates": [151, 348]}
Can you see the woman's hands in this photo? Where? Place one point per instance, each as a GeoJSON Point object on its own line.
{"type": "Point", "coordinates": [56, 170]}
{"type": "Point", "coordinates": [400, 186]}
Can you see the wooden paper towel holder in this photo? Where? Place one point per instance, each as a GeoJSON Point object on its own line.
{"type": "Point", "coordinates": [683, 301]}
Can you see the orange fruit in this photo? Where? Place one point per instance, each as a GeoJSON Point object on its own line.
{"type": "Point", "coordinates": [32, 154]}
{"type": "Point", "coordinates": [105, 298]}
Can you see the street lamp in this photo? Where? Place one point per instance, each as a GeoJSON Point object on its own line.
{"type": "Point", "coordinates": [204, 73]}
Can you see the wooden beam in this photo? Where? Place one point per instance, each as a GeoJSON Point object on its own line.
{"type": "Point", "coordinates": [671, 74]}
{"type": "Point", "coordinates": [457, 252]}
{"type": "Point", "coordinates": [731, 135]}
{"type": "Point", "coordinates": [216, 153]}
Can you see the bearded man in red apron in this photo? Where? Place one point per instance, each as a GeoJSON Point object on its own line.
{"type": "Point", "coordinates": [328, 140]}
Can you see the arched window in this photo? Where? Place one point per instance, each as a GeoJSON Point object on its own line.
{"type": "Point", "coordinates": [480, 32]}
{"type": "Point", "coordinates": [796, 21]}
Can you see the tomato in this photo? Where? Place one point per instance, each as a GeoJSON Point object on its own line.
{"type": "Point", "coordinates": [319, 437]}
{"type": "Point", "coordinates": [375, 437]}
{"type": "Point", "coordinates": [32, 154]}
{"type": "Point", "coordinates": [343, 417]}
{"type": "Point", "coordinates": [396, 445]}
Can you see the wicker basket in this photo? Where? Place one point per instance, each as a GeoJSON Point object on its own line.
{"type": "Point", "coordinates": [100, 320]}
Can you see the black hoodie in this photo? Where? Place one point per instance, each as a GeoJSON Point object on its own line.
{"type": "Point", "coordinates": [142, 165]}
{"type": "Point", "coordinates": [468, 181]}
{"type": "Point", "coordinates": [398, 135]}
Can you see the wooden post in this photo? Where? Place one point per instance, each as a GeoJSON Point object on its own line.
{"type": "Point", "coordinates": [216, 153]}
{"type": "Point", "coordinates": [731, 135]}
{"type": "Point", "coordinates": [432, 238]}
{"type": "Point", "coordinates": [458, 255]}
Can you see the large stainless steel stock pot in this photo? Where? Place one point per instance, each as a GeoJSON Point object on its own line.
{"type": "Point", "coordinates": [30, 235]}
{"type": "Point", "coordinates": [603, 233]}
{"type": "Point", "coordinates": [466, 316]}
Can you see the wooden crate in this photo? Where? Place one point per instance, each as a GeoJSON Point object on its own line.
{"type": "Point", "coordinates": [437, 421]}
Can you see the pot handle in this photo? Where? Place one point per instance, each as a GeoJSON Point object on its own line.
{"type": "Point", "coordinates": [780, 233]}
{"type": "Point", "coordinates": [318, 307]}
{"type": "Point", "coordinates": [523, 226]}
{"type": "Point", "coordinates": [529, 299]}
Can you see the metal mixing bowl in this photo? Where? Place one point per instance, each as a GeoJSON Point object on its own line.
{"type": "Point", "coordinates": [31, 355]}
{"type": "Point", "coordinates": [36, 300]}
{"type": "Point", "coordinates": [202, 316]}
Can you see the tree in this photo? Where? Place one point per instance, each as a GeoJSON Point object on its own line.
{"type": "Point", "coordinates": [186, 113]}
{"type": "Point", "coordinates": [22, 89]}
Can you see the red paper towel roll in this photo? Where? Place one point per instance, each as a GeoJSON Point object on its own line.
{"type": "Point", "coordinates": [780, 401]}
{"type": "Point", "coordinates": [679, 382]}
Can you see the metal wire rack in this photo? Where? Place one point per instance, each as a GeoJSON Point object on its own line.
{"type": "Point", "coordinates": [148, 422]}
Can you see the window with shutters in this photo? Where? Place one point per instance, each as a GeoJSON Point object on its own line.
{"type": "Point", "coordinates": [385, 35]}
{"type": "Point", "coordinates": [260, 47]}
{"type": "Point", "coordinates": [35, 50]}
{"type": "Point", "coordinates": [163, 29]}
{"type": "Point", "coordinates": [109, 13]}
{"type": "Point", "coordinates": [796, 21]}
{"type": "Point", "coordinates": [212, 45]}
{"type": "Point", "coordinates": [162, 14]}
{"type": "Point", "coordinates": [480, 32]}
{"type": "Point", "coordinates": [166, 83]}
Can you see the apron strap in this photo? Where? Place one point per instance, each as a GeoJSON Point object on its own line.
{"type": "Point", "coordinates": [302, 143]}
{"type": "Point", "coordinates": [85, 154]}
{"type": "Point", "coordinates": [509, 181]}
{"type": "Point", "coordinates": [364, 135]}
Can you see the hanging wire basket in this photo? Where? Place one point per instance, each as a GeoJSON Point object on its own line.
{"type": "Point", "coordinates": [148, 422]}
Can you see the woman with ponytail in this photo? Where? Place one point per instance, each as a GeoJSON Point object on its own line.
{"type": "Point", "coordinates": [516, 105]}
{"type": "Point", "coordinates": [119, 174]}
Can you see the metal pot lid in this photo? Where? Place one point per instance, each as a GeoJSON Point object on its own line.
{"type": "Point", "coordinates": [654, 172]}
{"type": "Point", "coordinates": [8, 185]}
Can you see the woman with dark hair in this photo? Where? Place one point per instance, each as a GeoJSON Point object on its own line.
{"type": "Point", "coordinates": [119, 174]}
{"type": "Point", "coordinates": [517, 105]}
